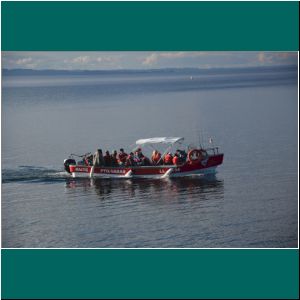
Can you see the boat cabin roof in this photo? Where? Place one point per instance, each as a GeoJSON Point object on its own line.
{"type": "Point", "coordinates": [159, 140]}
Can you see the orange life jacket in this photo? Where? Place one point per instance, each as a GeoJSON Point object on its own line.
{"type": "Point", "coordinates": [175, 160]}
{"type": "Point", "coordinates": [168, 159]}
{"type": "Point", "coordinates": [156, 158]}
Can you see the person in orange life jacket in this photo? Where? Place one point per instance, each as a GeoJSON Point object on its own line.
{"type": "Point", "coordinates": [155, 157]}
{"type": "Point", "coordinates": [130, 160]}
{"type": "Point", "coordinates": [114, 158]}
{"type": "Point", "coordinates": [107, 159]}
{"type": "Point", "coordinates": [175, 159]}
{"type": "Point", "coordinates": [168, 159]}
{"type": "Point", "coordinates": [122, 157]}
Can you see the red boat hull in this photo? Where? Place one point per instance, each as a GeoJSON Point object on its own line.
{"type": "Point", "coordinates": [204, 167]}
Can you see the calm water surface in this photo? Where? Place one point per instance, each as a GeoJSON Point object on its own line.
{"type": "Point", "coordinates": [251, 202]}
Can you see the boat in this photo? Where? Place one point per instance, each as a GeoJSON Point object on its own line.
{"type": "Point", "coordinates": [199, 162]}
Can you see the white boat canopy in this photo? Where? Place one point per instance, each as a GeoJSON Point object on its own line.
{"type": "Point", "coordinates": [159, 140]}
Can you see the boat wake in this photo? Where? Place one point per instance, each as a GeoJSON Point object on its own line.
{"type": "Point", "coordinates": [33, 174]}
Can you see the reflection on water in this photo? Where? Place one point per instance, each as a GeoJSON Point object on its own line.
{"type": "Point", "coordinates": [168, 189]}
{"type": "Point", "coordinates": [175, 212]}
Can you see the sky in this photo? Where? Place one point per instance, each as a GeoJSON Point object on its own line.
{"type": "Point", "coordinates": [97, 60]}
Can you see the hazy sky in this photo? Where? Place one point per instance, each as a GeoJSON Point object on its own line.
{"type": "Point", "coordinates": [73, 60]}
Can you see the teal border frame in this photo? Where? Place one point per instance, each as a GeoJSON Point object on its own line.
{"type": "Point", "coordinates": [155, 273]}
{"type": "Point", "coordinates": [127, 26]}
{"type": "Point", "coordinates": [150, 274]}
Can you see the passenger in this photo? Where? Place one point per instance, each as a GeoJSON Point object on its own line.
{"type": "Point", "coordinates": [153, 156]}
{"type": "Point", "coordinates": [86, 161]}
{"type": "Point", "coordinates": [175, 159]}
{"type": "Point", "coordinates": [89, 160]}
{"type": "Point", "coordinates": [182, 155]}
{"type": "Point", "coordinates": [122, 157]}
{"type": "Point", "coordinates": [138, 157]}
{"type": "Point", "coordinates": [101, 159]}
{"type": "Point", "coordinates": [114, 159]}
{"type": "Point", "coordinates": [137, 160]}
{"type": "Point", "coordinates": [107, 159]}
{"type": "Point", "coordinates": [138, 152]}
{"type": "Point", "coordinates": [156, 157]}
{"type": "Point", "coordinates": [146, 161]}
{"type": "Point", "coordinates": [142, 160]}
{"type": "Point", "coordinates": [98, 158]}
{"type": "Point", "coordinates": [129, 160]}
{"type": "Point", "coordinates": [168, 159]}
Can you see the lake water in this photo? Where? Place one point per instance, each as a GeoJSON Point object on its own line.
{"type": "Point", "coordinates": [251, 114]}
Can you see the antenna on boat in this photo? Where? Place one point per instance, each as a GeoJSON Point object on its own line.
{"type": "Point", "coordinates": [199, 138]}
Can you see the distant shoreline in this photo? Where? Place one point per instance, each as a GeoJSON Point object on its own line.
{"type": "Point", "coordinates": [188, 71]}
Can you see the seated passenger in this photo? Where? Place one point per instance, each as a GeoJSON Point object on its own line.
{"type": "Point", "coordinates": [98, 158]}
{"type": "Point", "coordinates": [138, 157]}
{"type": "Point", "coordinates": [146, 161]}
{"type": "Point", "coordinates": [156, 156]}
{"type": "Point", "coordinates": [176, 159]}
{"type": "Point", "coordinates": [107, 159]}
{"type": "Point", "coordinates": [129, 160]}
{"type": "Point", "coordinates": [168, 159]}
{"type": "Point", "coordinates": [138, 152]}
{"type": "Point", "coordinates": [114, 159]}
{"type": "Point", "coordinates": [89, 160]}
{"type": "Point", "coordinates": [182, 155]}
{"type": "Point", "coordinates": [153, 156]}
{"type": "Point", "coordinates": [122, 157]}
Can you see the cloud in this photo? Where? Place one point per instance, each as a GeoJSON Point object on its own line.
{"type": "Point", "coordinates": [261, 57]}
{"type": "Point", "coordinates": [268, 58]}
{"type": "Point", "coordinates": [81, 59]}
{"type": "Point", "coordinates": [107, 59]}
{"type": "Point", "coordinates": [155, 57]}
{"type": "Point", "coordinates": [23, 61]}
{"type": "Point", "coordinates": [93, 62]}
{"type": "Point", "coordinates": [150, 59]}
{"type": "Point", "coordinates": [173, 54]}
{"type": "Point", "coordinates": [286, 55]}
